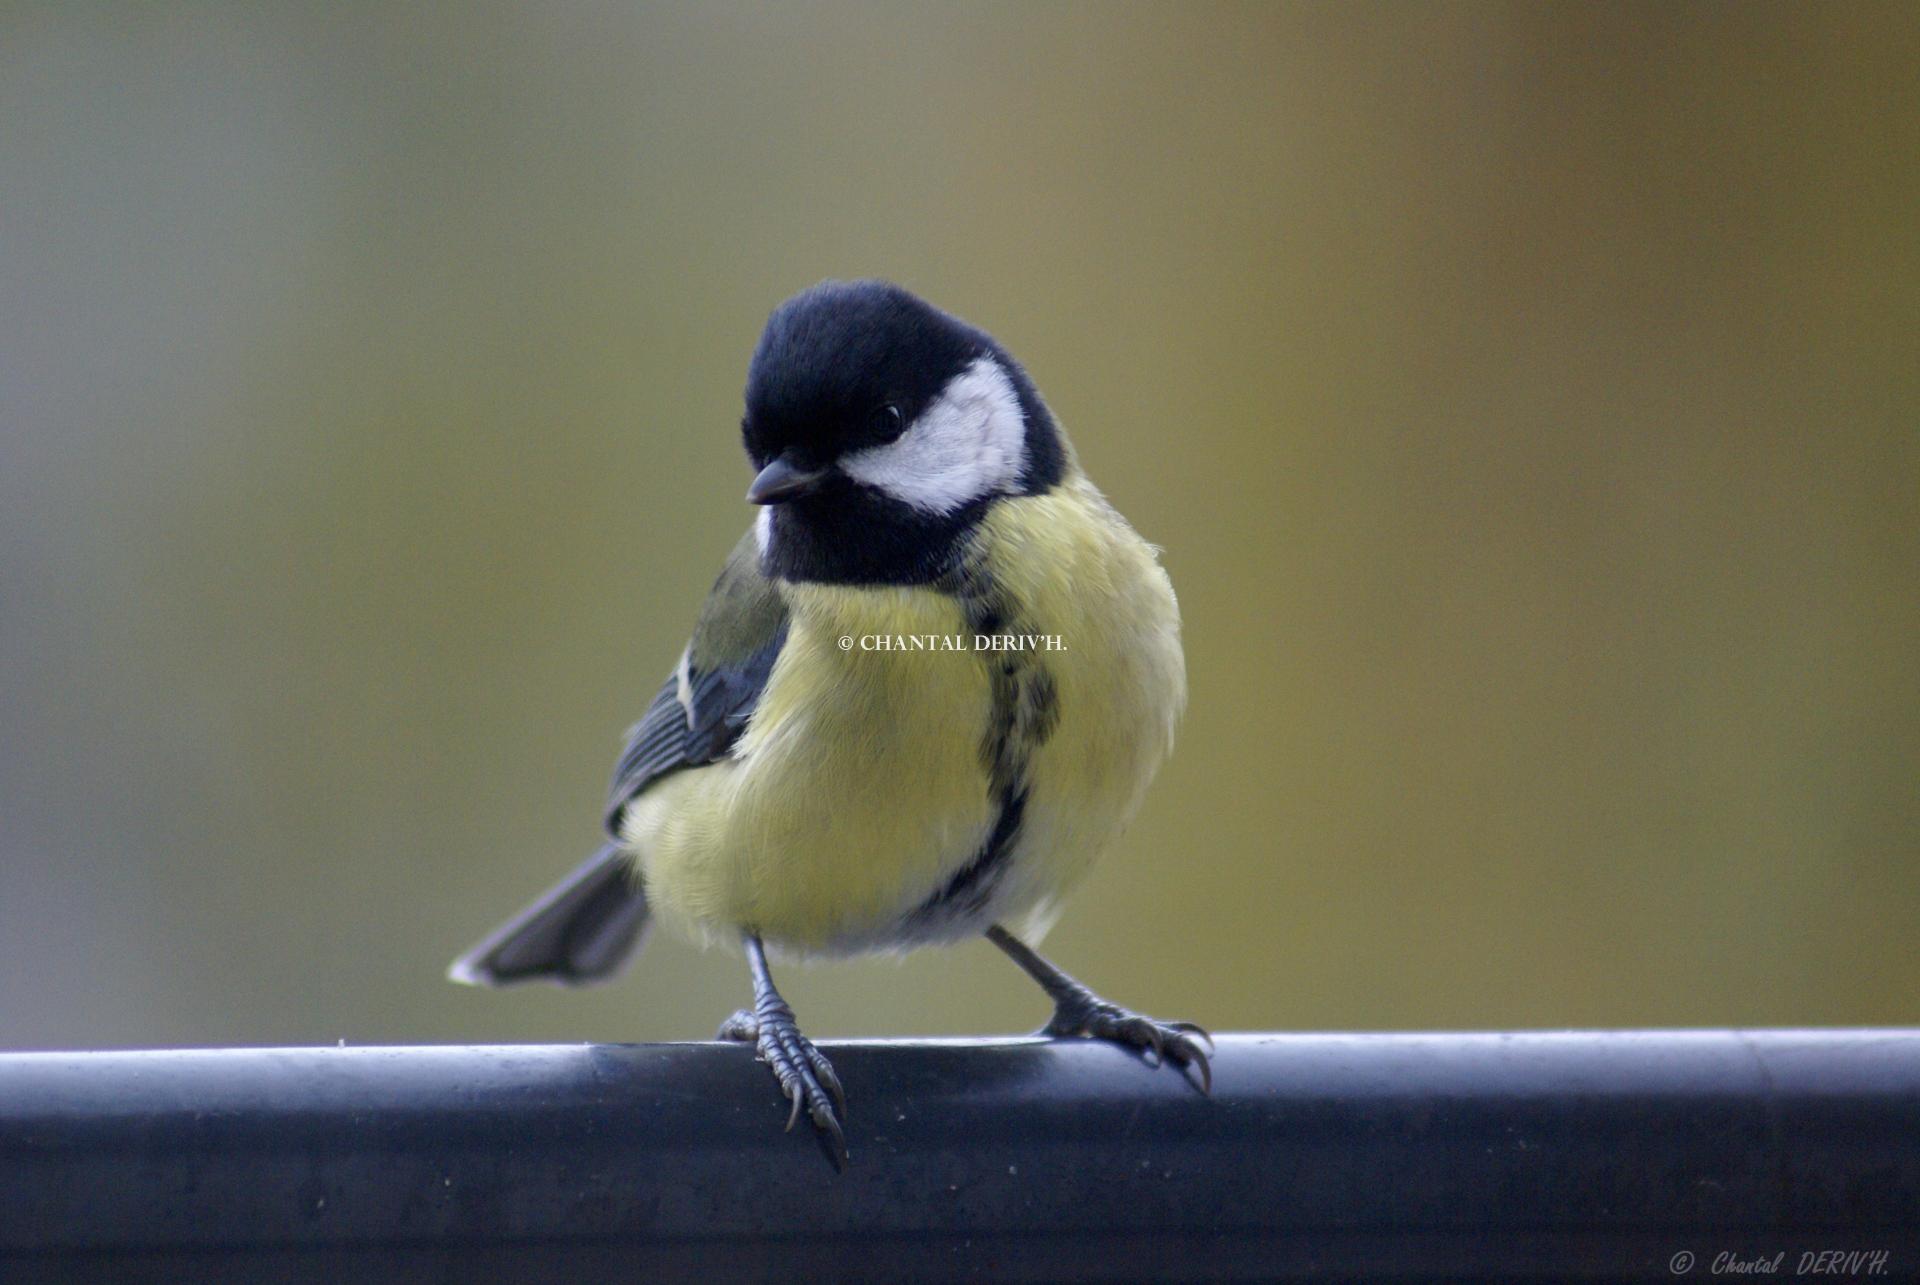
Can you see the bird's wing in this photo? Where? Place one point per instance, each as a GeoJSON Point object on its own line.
{"type": "Point", "coordinates": [702, 709]}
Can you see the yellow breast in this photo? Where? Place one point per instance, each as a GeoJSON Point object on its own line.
{"type": "Point", "coordinates": [860, 786]}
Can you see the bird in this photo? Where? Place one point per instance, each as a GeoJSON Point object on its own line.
{"type": "Point", "coordinates": [811, 781]}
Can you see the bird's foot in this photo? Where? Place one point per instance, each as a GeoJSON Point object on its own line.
{"type": "Point", "coordinates": [1185, 1044]}
{"type": "Point", "coordinates": [806, 1077]}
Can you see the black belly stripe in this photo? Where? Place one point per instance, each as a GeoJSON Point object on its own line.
{"type": "Point", "coordinates": [967, 892]}
{"type": "Point", "coordinates": [1024, 712]}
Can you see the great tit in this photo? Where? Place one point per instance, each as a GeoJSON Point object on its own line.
{"type": "Point", "coordinates": [929, 688]}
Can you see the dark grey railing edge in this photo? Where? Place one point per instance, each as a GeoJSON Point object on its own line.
{"type": "Point", "coordinates": [1544, 1155]}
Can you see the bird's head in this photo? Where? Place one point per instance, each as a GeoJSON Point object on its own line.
{"type": "Point", "coordinates": [882, 429]}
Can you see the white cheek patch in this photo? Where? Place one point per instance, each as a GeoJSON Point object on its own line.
{"type": "Point", "coordinates": [763, 530]}
{"type": "Point", "coordinates": [971, 442]}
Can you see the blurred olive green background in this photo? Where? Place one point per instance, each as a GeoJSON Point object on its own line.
{"type": "Point", "coordinates": [1526, 398]}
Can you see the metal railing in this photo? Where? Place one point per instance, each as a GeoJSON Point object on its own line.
{"type": "Point", "coordinates": [1539, 1156]}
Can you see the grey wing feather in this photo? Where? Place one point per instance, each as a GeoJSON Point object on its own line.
{"type": "Point", "coordinates": [701, 711]}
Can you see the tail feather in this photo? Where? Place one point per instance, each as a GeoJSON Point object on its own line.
{"type": "Point", "coordinates": [580, 931]}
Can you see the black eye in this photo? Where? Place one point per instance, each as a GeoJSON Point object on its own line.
{"type": "Point", "coordinates": [886, 423]}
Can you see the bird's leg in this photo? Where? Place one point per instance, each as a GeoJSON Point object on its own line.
{"type": "Point", "coordinates": [805, 1075]}
{"type": "Point", "coordinates": [1078, 1011]}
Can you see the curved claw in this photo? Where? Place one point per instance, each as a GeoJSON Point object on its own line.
{"type": "Point", "coordinates": [1193, 1028]}
{"type": "Point", "coordinates": [1186, 1051]}
{"type": "Point", "coordinates": [829, 1079]}
{"type": "Point", "coordinates": [823, 1120]}
{"type": "Point", "coordinates": [1193, 1056]}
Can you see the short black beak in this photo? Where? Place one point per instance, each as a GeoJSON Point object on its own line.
{"type": "Point", "coordinates": [784, 480]}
